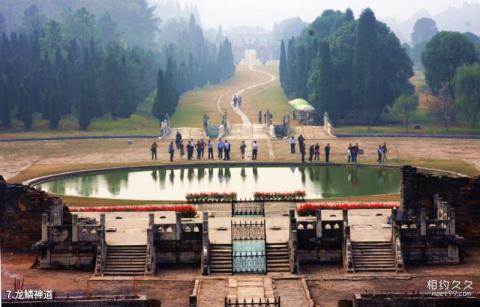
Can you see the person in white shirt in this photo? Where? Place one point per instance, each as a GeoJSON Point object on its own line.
{"type": "Point", "coordinates": [254, 150]}
{"type": "Point", "coordinates": [292, 144]}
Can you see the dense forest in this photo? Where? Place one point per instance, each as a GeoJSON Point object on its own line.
{"type": "Point", "coordinates": [79, 63]}
{"type": "Point", "coordinates": [350, 68]}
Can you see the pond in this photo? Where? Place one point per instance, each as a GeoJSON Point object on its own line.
{"type": "Point", "coordinates": [174, 183]}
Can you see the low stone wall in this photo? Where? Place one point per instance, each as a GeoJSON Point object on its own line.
{"type": "Point", "coordinates": [21, 209]}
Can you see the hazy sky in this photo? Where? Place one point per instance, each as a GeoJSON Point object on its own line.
{"type": "Point", "coordinates": [266, 12]}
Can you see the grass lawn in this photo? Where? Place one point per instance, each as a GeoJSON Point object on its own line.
{"type": "Point", "coordinates": [271, 97]}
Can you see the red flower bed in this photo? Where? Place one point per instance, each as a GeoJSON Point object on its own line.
{"type": "Point", "coordinates": [280, 196]}
{"type": "Point", "coordinates": [309, 209]}
{"type": "Point", "coordinates": [185, 210]}
{"type": "Point", "coordinates": [213, 197]}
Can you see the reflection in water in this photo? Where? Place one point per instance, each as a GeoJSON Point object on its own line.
{"type": "Point", "coordinates": [154, 175]}
{"type": "Point", "coordinates": [243, 173]}
{"type": "Point", "coordinates": [317, 181]}
{"type": "Point", "coordinates": [115, 181]}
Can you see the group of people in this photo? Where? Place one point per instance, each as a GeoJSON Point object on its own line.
{"type": "Point", "coordinates": [200, 146]}
{"type": "Point", "coordinates": [352, 153]}
{"type": "Point", "coordinates": [313, 150]}
{"type": "Point", "coordinates": [267, 117]}
{"type": "Point", "coordinates": [236, 101]}
{"type": "Point", "coordinates": [382, 151]}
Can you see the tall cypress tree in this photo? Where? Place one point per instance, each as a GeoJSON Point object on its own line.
{"type": "Point", "coordinates": [366, 69]}
{"type": "Point", "coordinates": [159, 108]}
{"type": "Point", "coordinates": [283, 65]}
{"type": "Point", "coordinates": [327, 85]}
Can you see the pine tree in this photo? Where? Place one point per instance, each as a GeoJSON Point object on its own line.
{"type": "Point", "coordinates": [159, 108]}
{"type": "Point", "coordinates": [366, 69]}
{"type": "Point", "coordinates": [283, 65]}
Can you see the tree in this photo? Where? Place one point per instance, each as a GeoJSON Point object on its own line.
{"type": "Point", "coordinates": [444, 53]}
{"type": "Point", "coordinates": [403, 107]}
{"type": "Point", "coordinates": [365, 68]}
{"type": "Point", "coordinates": [107, 28]}
{"type": "Point", "coordinates": [33, 19]}
{"type": "Point", "coordinates": [423, 30]}
{"type": "Point", "coordinates": [159, 108]}
{"type": "Point", "coordinates": [467, 92]}
{"type": "Point", "coordinates": [443, 107]}
{"type": "Point", "coordinates": [283, 64]}
{"type": "Point", "coordinates": [321, 84]}
{"type": "Point", "coordinates": [2, 23]}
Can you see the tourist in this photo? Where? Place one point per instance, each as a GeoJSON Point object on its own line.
{"type": "Point", "coordinates": [327, 153]}
{"type": "Point", "coordinates": [379, 154]}
{"type": "Point", "coordinates": [178, 139]}
{"type": "Point", "coordinates": [311, 152]}
{"type": "Point", "coordinates": [190, 148]}
{"type": "Point", "coordinates": [301, 140]}
{"type": "Point", "coordinates": [182, 149]}
{"type": "Point", "coordinates": [349, 153]}
{"type": "Point", "coordinates": [292, 144]}
{"type": "Point", "coordinates": [355, 152]}
{"type": "Point", "coordinates": [220, 146]}
{"type": "Point", "coordinates": [243, 146]}
{"type": "Point", "coordinates": [199, 150]}
{"type": "Point", "coordinates": [171, 151]}
{"type": "Point", "coordinates": [317, 152]}
{"type": "Point", "coordinates": [239, 101]}
{"type": "Point", "coordinates": [384, 151]}
{"type": "Point", "coordinates": [254, 150]}
{"type": "Point", "coordinates": [210, 150]}
{"type": "Point", "coordinates": [227, 148]}
{"type": "Point", "coordinates": [153, 149]}
{"type": "Point", "coordinates": [202, 147]}
{"type": "Point", "coordinates": [259, 117]}
{"type": "Point", "coordinates": [302, 151]}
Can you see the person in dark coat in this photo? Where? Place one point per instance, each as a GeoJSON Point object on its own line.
{"type": "Point", "coordinates": [171, 151]}
{"type": "Point", "coordinates": [327, 153]}
{"type": "Point", "coordinates": [302, 151]}
{"type": "Point", "coordinates": [311, 152]}
{"type": "Point", "coordinates": [153, 149]}
{"type": "Point", "coordinates": [317, 152]}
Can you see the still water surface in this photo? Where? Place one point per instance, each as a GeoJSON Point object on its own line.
{"type": "Point", "coordinates": [173, 184]}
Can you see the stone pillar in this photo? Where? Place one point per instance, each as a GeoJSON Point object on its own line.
{"type": "Point", "coordinates": [293, 219]}
{"type": "Point", "coordinates": [178, 226]}
{"type": "Point", "coordinates": [345, 216]}
{"type": "Point", "coordinates": [451, 224]}
{"type": "Point", "coordinates": [74, 228]}
{"type": "Point", "coordinates": [205, 245]}
{"type": "Point", "coordinates": [318, 215]}
{"type": "Point", "coordinates": [423, 222]}
{"type": "Point", "coordinates": [151, 219]}
{"type": "Point", "coordinates": [44, 227]}
{"type": "Point", "coordinates": [102, 219]}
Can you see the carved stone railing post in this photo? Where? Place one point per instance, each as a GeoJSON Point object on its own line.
{"type": "Point", "coordinates": [74, 228]}
{"type": "Point", "coordinates": [348, 264]}
{"type": "Point", "coordinates": [318, 215]}
{"type": "Point", "coordinates": [205, 246]}
{"type": "Point", "coordinates": [178, 226]}
{"type": "Point", "coordinates": [44, 227]}
{"type": "Point", "coordinates": [423, 222]}
{"type": "Point", "coordinates": [101, 247]}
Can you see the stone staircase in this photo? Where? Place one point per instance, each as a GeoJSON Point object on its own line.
{"type": "Point", "coordinates": [278, 258]}
{"type": "Point", "coordinates": [373, 257]}
{"type": "Point", "coordinates": [125, 260]}
{"type": "Point", "coordinates": [221, 258]}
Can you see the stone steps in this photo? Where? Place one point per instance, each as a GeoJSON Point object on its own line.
{"type": "Point", "coordinates": [278, 259]}
{"type": "Point", "coordinates": [125, 260]}
{"type": "Point", "coordinates": [221, 258]}
{"type": "Point", "coordinates": [373, 257]}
